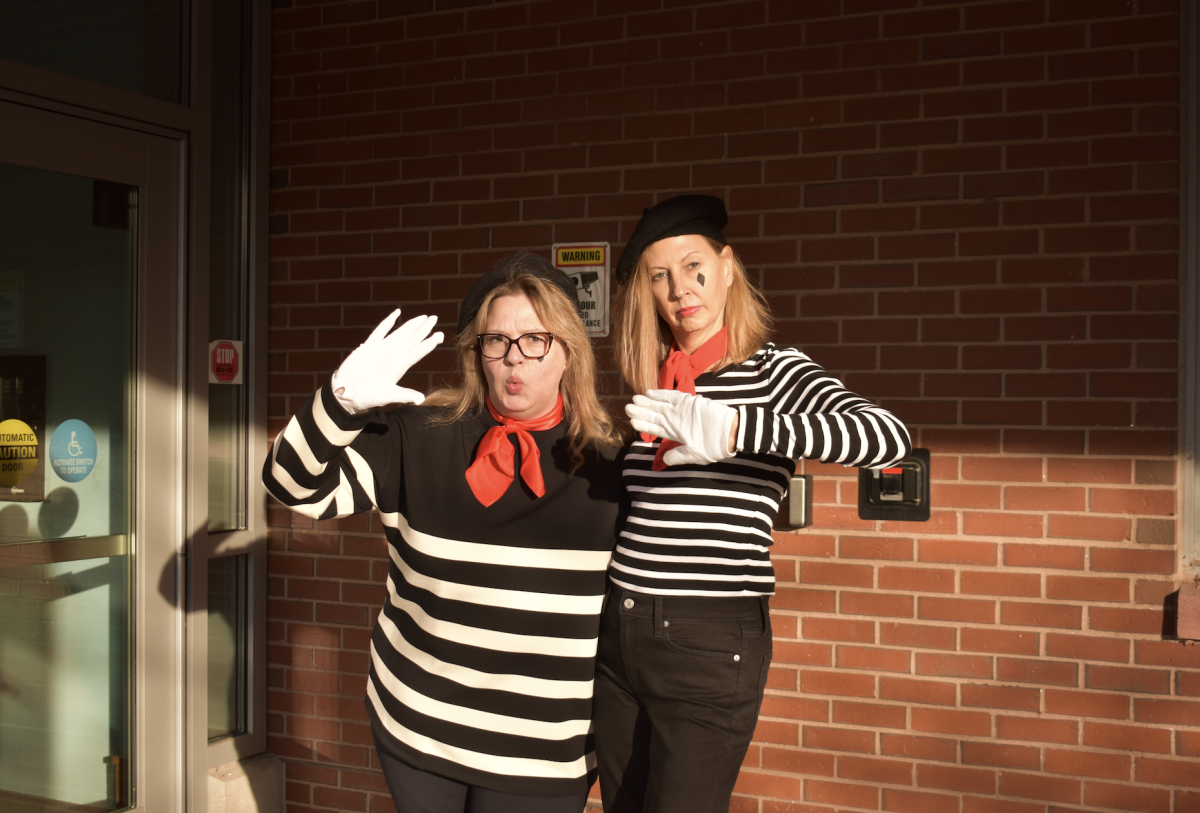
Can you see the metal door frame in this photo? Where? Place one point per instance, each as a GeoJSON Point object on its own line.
{"type": "Point", "coordinates": [49, 140]}
{"type": "Point", "coordinates": [186, 127]}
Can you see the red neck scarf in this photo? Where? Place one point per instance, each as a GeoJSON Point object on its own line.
{"type": "Point", "coordinates": [492, 472]}
{"type": "Point", "coordinates": [679, 373]}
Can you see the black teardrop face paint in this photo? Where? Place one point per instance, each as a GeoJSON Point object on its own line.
{"type": "Point", "coordinates": [700, 279]}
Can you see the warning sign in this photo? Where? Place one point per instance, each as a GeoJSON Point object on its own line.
{"type": "Point", "coordinates": [18, 452]}
{"type": "Point", "coordinates": [225, 362]}
{"type": "Point", "coordinates": [588, 265]}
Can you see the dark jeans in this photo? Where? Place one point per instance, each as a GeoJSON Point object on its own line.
{"type": "Point", "coordinates": [415, 791]}
{"type": "Point", "coordinates": [679, 681]}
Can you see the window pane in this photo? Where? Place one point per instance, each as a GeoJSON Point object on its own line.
{"type": "Point", "coordinates": [227, 646]}
{"type": "Point", "coordinates": [134, 45]}
{"type": "Point", "coordinates": [229, 257]}
{"type": "Point", "coordinates": [66, 489]}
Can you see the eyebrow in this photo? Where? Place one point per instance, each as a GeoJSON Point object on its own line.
{"type": "Point", "coordinates": [681, 259]}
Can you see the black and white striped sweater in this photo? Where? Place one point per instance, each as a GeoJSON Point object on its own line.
{"type": "Point", "coordinates": [706, 530]}
{"type": "Point", "coordinates": [482, 658]}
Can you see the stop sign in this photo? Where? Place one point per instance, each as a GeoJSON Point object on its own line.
{"type": "Point", "coordinates": [224, 362]}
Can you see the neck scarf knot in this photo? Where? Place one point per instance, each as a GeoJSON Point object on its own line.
{"type": "Point", "coordinates": [679, 373]}
{"type": "Point", "coordinates": [492, 472]}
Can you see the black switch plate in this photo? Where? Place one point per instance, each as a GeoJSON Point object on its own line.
{"type": "Point", "coordinates": [899, 492]}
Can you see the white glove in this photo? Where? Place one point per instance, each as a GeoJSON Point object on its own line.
{"type": "Point", "coordinates": [367, 378]}
{"type": "Point", "coordinates": [701, 425]}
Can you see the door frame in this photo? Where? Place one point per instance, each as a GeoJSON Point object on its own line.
{"type": "Point", "coordinates": [187, 125]}
{"type": "Point", "coordinates": [43, 139]}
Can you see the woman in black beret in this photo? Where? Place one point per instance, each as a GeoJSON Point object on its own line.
{"type": "Point", "coordinates": [499, 499]}
{"type": "Point", "coordinates": [723, 415]}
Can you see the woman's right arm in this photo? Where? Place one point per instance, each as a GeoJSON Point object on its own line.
{"type": "Point", "coordinates": [312, 468]}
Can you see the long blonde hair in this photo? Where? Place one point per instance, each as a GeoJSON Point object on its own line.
{"type": "Point", "coordinates": [587, 421]}
{"type": "Point", "coordinates": [643, 339]}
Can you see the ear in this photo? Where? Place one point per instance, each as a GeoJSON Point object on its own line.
{"type": "Point", "coordinates": [726, 256]}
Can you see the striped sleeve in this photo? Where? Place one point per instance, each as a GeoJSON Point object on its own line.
{"type": "Point", "coordinates": [312, 468]}
{"type": "Point", "coordinates": [809, 414]}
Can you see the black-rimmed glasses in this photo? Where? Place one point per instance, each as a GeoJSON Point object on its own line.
{"type": "Point", "coordinates": [531, 345]}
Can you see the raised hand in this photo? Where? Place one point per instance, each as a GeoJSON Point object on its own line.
{"type": "Point", "coordinates": [703, 427]}
{"type": "Point", "coordinates": [367, 378]}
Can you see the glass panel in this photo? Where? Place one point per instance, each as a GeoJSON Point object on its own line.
{"type": "Point", "coordinates": [67, 260]}
{"type": "Point", "coordinates": [227, 646]}
{"type": "Point", "coordinates": [227, 269]}
{"type": "Point", "coordinates": [134, 45]}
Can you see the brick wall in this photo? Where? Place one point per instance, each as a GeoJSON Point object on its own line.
{"type": "Point", "coordinates": [967, 210]}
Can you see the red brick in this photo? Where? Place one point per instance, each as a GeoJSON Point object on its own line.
{"type": "Point", "coordinates": [839, 739]}
{"type": "Point", "coordinates": [1168, 772]}
{"type": "Point", "coordinates": [1132, 561]}
{"type": "Point", "coordinates": [1001, 697]}
{"type": "Point", "coordinates": [967, 666]}
{"type": "Point", "coordinates": [1125, 797]}
{"type": "Point", "coordinates": [930, 748]}
{"type": "Point", "coordinates": [940, 721]}
{"type": "Point", "coordinates": [1065, 732]}
{"type": "Point", "coordinates": [1041, 615]}
{"type": "Point", "coordinates": [1125, 620]}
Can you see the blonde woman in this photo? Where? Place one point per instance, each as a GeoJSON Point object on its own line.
{"type": "Point", "coordinates": [685, 640]}
{"type": "Point", "coordinates": [499, 500]}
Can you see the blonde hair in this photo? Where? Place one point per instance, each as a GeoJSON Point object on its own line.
{"type": "Point", "coordinates": [643, 339]}
{"type": "Point", "coordinates": [587, 421]}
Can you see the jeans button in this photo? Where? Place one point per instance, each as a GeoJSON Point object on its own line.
{"type": "Point", "coordinates": [628, 604]}
{"type": "Point", "coordinates": [737, 658]}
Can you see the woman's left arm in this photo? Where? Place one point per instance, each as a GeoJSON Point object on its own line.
{"type": "Point", "coordinates": [810, 414]}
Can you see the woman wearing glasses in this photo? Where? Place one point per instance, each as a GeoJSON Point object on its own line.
{"type": "Point", "coordinates": [685, 640]}
{"type": "Point", "coordinates": [499, 500]}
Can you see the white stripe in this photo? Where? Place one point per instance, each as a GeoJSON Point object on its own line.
{"type": "Point", "coordinates": [678, 508]}
{"type": "Point", "coordinates": [504, 766]}
{"type": "Point", "coordinates": [494, 597]}
{"type": "Point", "coordinates": [706, 493]}
{"type": "Point", "coordinates": [295, 436]}
{"type": "Point", "coordinates": [344, 495]}
{"type": "Point", "coordinates": [691, 543]}
{"type": "Point", "coordinates": [338, 437]}
{"type": "Point", "coordinates": [366, 477]}
{"type": "Point", "coordinates": [705, 475]}
{"type": "Point", "coordinates": [491, 639]}
{"type": "Point", "coordinates": [430, 545]}
{"type": "Point", "coordinates": [739, 462]}
{"type": "Point", "coordinates": [695, 560]}
{"type": "Point", "coordinates": [699, 526]}
{"type": "Point", "coordinates": [281, 475]}
{"type": "Point", "coordinates": [488, 681]}
{"type": "Point", "coordinates": [474, 718]}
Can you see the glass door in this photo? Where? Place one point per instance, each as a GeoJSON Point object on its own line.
{"type": "Point", "coordinates": [88, 388]}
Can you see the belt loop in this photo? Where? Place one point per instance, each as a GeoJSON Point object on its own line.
{"type": "Point", "coordinates": [658, 616]}
{"type": "Point", "coordinates": [764, 604]}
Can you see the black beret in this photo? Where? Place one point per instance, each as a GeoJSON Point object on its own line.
{"type": "Point", "coordinates": [682, 214]}
{"type": "Point", "coordinates": [506, 270]}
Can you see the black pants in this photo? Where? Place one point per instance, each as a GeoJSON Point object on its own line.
{"type": "Point", "coordinates": [415, 791]}
{"type": "Point", "coordinates": [679, 682]}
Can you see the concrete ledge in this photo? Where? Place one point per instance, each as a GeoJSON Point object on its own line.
{"type": "Point", "coordinates": [250, 785]}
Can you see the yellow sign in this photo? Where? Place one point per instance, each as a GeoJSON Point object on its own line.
{"type": "Point", "coordinates": [18, 452]}
{"type": "Point", "coordinates": [580, 255]}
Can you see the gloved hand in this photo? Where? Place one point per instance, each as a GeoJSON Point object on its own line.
{"type": "Point", "coordinates": [367, 378]}
{"type": "Point", "coordinates": [703, 426]}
